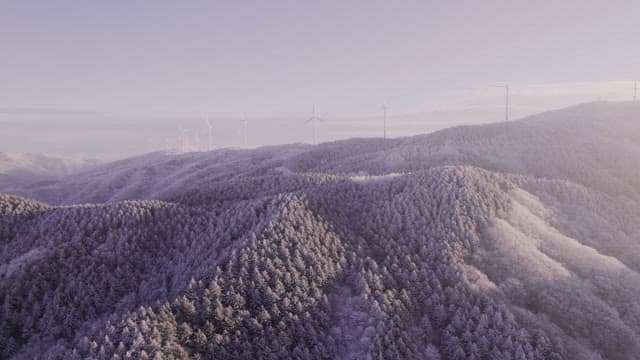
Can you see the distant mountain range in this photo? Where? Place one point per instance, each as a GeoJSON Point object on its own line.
{"type": "Point", "coordinates": [17, 169]}
{"type": "Point", "coordinates": [516, 240]}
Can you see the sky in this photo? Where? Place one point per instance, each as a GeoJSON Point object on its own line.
{"type": "Point", "coordinates": [77, 77]}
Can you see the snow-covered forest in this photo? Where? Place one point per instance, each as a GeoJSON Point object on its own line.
{"type": "Point", "coordinates": [516, 240]}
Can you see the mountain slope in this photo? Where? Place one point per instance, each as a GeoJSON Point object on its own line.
{"type": "Point", "coordinates": [504, 241]}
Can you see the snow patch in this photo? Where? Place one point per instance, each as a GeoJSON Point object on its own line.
{"type": "Point", "coordinates": [368, 178]}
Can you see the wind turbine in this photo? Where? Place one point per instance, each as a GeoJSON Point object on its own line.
{"type": "Point", "coordinates": [384, 120]}
{"type": "Point", "coordinates": [635, 90]}
{"type": "Point", "coordinates": [183, 139]}
{"type": "Point", "coordinates": [187, 147]}
{"type": "Point", "coordinates": [180, 138]}
{"type": "Point", "coordinates": [506, 100]}
{"type": "Point", "coordinates": [210, 126]}
{"type": "Point", "coordinates": [314, 120]}
{"type": "Point", "coordinates": [242, 131]}
{"type": "Point", "coordinates": [245, 123]}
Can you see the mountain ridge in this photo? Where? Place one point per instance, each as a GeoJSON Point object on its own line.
{"type": "Point", "coordinates": [515, 147]}
{"type": "Point", "coordinates": [431, 247]}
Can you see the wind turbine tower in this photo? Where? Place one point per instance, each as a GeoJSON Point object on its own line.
{"type": "Point", "coordinates": [384, 120]}
{"type": "Point", "coordinates": [185, 138]}
{"type": "Point", "coordinates": [244, 132]}
{"type": "Point", "coordinates": [196, 139]}
{"type": "Point", "coordinates": [314, 121]}
{"type": "Point", "coordinates": [635, 90]}
{"type": "Point", "coordinates": [181, 138]}
{"type": "Point", "coordinates": [506, 100]}
{"type": "Point", "coordinates": [210, 126]}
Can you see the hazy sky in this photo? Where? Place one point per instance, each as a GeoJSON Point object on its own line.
{"type": "Point", "coordinates": [276, 58]}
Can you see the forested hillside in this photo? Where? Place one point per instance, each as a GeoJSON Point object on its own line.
{"type": "Point", "coordinates": [506, 241]}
